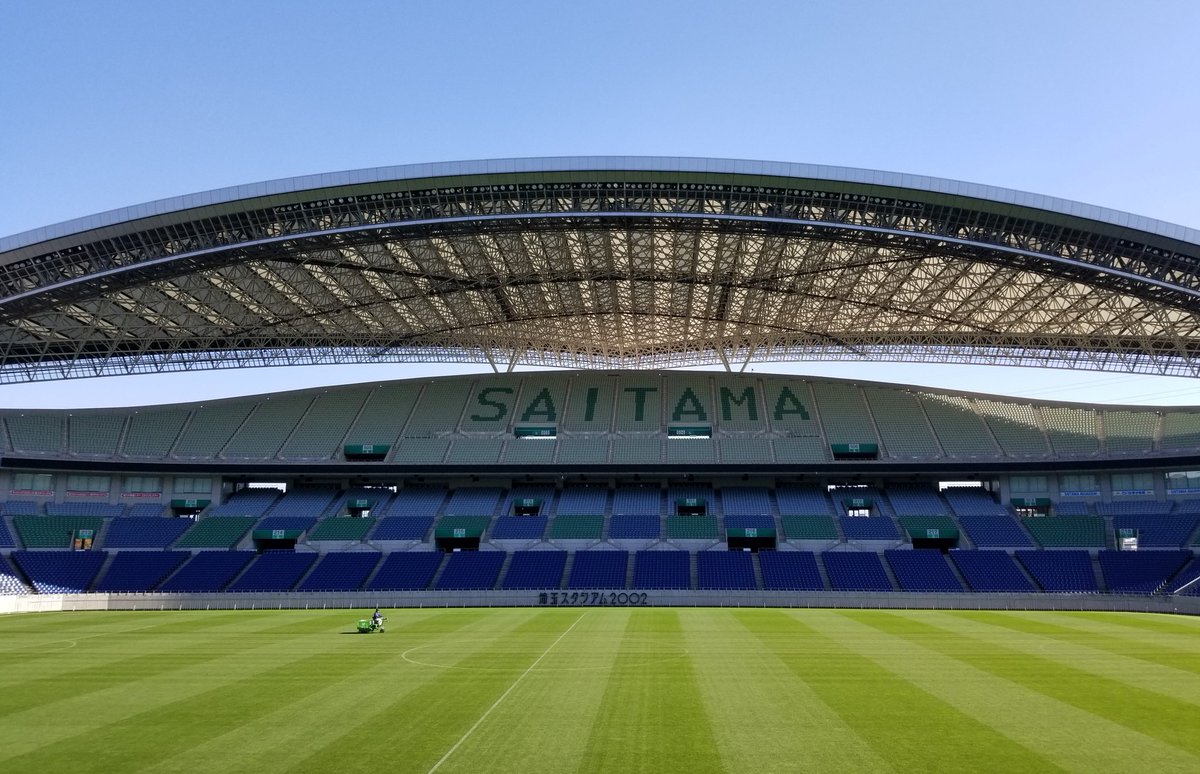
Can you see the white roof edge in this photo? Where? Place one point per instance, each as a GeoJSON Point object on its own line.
{"type": "Point", "coordinates": [600, 164]}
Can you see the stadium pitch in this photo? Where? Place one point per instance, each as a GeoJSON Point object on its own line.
{"type": "Point", "coordinates": [590, 690]}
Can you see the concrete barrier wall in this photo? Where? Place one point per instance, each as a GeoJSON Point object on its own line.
{"type": "Point", "coordinates": [35, 603]}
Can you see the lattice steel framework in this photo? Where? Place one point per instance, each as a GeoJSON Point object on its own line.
{"type": "Point", "coordinates": [602, 268]}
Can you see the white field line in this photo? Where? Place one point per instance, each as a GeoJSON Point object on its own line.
{"type": "Point", "coordinates": [503, 696]}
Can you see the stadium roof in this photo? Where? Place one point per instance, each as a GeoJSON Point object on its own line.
{"type": "Point", "coordinates": [600, 262]}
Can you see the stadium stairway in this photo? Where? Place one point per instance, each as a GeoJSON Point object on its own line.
{"type": "Point", "coordinates": [758, 574]}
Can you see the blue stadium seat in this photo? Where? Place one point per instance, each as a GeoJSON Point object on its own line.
{"type": "Point", "coordinates": [340, 572]}
{"type": "Point", "coordinates": [535, 570]}
{"type": "Point", "coordinates": [721, 570]}
{"type": "Point", "coordinates": [922, 570]}
{"type": "Point", "coordinates": [471, 570]}
{"type": "Point", "coordinates": [139, 571]}
{"type": "Point", "coordinates": [599, 570]}
{"type": "Point", "coordinates": [790, 570]}
{"type": "Point", "coordinates": [208, 571]}
{"type": "Point", "coordinates": [406, 571]}
{"type": "Point", "coordinates": [662, 570]}
{"type": "Point", "coordinates": [856, 571]}
{"type": "Point", "coordinates": [991, 571]}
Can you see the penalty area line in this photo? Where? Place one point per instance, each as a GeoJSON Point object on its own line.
{"type": "Point", "coordinates": [503, 696]}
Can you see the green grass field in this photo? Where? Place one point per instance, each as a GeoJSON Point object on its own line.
{"type": "Point", "coordinates": [591, 690]}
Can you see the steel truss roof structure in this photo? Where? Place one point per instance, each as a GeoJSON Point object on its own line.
{"type": "Point", "coordinates": [607, 262]}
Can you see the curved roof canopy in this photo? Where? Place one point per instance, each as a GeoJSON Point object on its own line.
{"type": "Point", "coordinates": [600, 262]}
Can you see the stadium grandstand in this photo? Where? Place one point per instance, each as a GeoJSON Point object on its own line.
{"type": "Point", "coordinates": [618, 477]}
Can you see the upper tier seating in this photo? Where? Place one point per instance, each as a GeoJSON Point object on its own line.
{"type": "Point", "coordinates": [474, 501]}
{"type": "Point", "coordinates": [971, 501]}
{"type": "Point", "coordinates": [384, 414]}
{"type": "Point", "coordinates": [341, 572]}
{"type": "Point", "coordinates": [856, 571]}
{"type": "Point", "coordinates": [803, 501]}
{"type": "Point", "coordinates": [210, 428]}
{"type": "Point", "coordinates": [1159, 531]}
{"type": "Point", "coordinates": [94, 434]}
{"type": "Point", "coordinates": [901, 423]}
{"type": "Point", "coordinates": [251, 501]}
{"type": "Point", "coordinates": [319, 435]}
{"type": "Point", "coordinates": [207, 571]}
{"type": "Point", "coordinates": [998, 531]}
{"type": "Point", "coordinates": [634, 528]}
{"type": "Point", "coordinates": [749, 522]}
{"type": "Point", "coordinates": [922, 570]}
{"type": "Point", "coordinates": [6, 536]}
{"type": "Point", "coordinates": [222, 532]}
{"type": "Point", "coordinates": [629, 500]}
{"type": "Point", "coordinates": [310, 502]}
{"type": "Point", "coordinates": [1072, 508]}
{"type": "Point", "coordinates": [535, 570]}
{"type": "Point", "coordinates": [260, 436]}
{"type": "Point", "coordinates": [868, 528]}
{"type": "Point", "coordinates": [599, 570]}
{"type": "Point", "coordinates": [520, 492]}
{"type": "Point", "coordinates": [39, 433]}
{"type": "Point", "coordinates": [402, 528]}
{"type": "Point", "coordinates": [746, 501]}
{"type": "Point", "coordinates": [406, 571]}
{"type": "Point", "coordinates": [790, 570]}
{"type": "Point", "coordinates": [960, 431]}
{"type": "Point", "coordinates": [1129, 433]}
{"type": "Point", "coordinates": [1134, 508]}
{"type": "Point", "coordinates": [583, 500]}
{"type": "Point", "coordinates": [1067, 531]}
{"type": "Point", "coordinates": [152, 432]}
{"type": "Point", "coordinates": [145, 533]}
{"type": "Point", "coordinates": [21, 508]}
{"type": "Point", "coordinates": [809, 527]}
{"type": "Point", "coordinates": [577, 528]}
{"type": "Point", "coordinates": [1072, 431]}
{"type": "Point", "coordinates": [139, 571]}
{"type": "Point", "coordinates": [692, 528]}
{"type": "Point", "coordinates": [1060, 570]}
{"type": "Point", "coordinates": [470, 570]}
{"type": "Point", "coordinates": [915, 501]}
{"type": "Point", "coordinates": [725, 570]}
{"type": "Point", "coordinates": [86, 508]}
{"type": "Point", "coordinates": [416, 502]}
{"type": "Point", "coordinates": [297, 523]}
{"type": "Point", "coordinates": [991, 571]}
{"type": "Point", "coordinates": [662, 570]}
{"type": "Point", "coordinates": [60, 572]}
{"type": "Point", "coordinates": [146, 511]}
{"type": "Point", "coordinates": [519, 528]}
{"type": "Point", "coordinates": [54, 531]}
{"type": "Point", "coordinates": [1015, 426]}
{"type": "Point", "coordinates": [274, 571]}
{"type": "Point", "coordinates": [344, 528]}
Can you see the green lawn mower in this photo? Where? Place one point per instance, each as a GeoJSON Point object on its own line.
{"type": "Point", "coordinates": [370, 625]}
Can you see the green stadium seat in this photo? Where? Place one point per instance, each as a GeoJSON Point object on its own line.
{"type": "Point", "coordinates": [54, 531]}
{"type": "Point", "coordinates": [809, 528]}
{"type": "Point", "coordinates": [1067, 531]}
{"type": "Point", "coordinates": [341, 528]}
{"type": "Point", "coordinates": [577, 528]}
{"type": "Point", "coordinates": [217, 532]}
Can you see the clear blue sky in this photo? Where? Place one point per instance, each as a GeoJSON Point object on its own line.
{"type": "Point", "coordinates": [115, 103]}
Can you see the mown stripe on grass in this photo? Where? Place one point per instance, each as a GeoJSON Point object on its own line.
{"type": "Point", "coordinates": [1073, 738]}
{"type": "Point", "coordinates": [652, 717]}
{"type": "Point", "coordinates": [285, 737]}
{"type": "Point", "coordinates": [1181, 651]}
{"type": "Point", "coordinates": [766, 718]}
{"type": "Point", "coordinates": [96, 662]}
{"type": "Point", "coordinates": [476, 668]}
{"type": "Point", "coordinates": [544, 723]}
{"type": "Point", "coordinates": [147, 719]}
{"type": "Point", "coordinates": [909, 727]}
{"type": "Point", "coordinates": [1125, 662]}
{"type": "Point", "coordinates": [1184, 625]}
